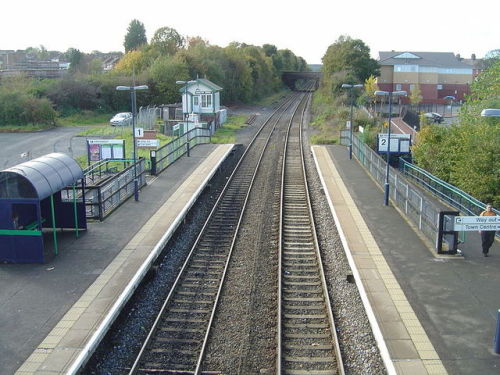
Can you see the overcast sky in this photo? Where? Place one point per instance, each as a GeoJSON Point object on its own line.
{"type": "Point", "coordinates": [306, 27]}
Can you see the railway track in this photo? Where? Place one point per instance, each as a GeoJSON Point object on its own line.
{"type": "Point", "coordinates": [177, 340]}
{"type": "Point", "coordinates": [307, 340]}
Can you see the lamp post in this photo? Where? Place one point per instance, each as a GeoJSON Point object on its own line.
{"type": "Point", "coordinates": [390, 94]}
{"type": "Point", "coordinates": [350, 87]}
{"type": "Point", "coordinates": [451, 99]}
{"type": "Point", "coordinates": [133, 99]}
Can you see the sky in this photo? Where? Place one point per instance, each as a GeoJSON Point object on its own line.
{"type": "Point", "coordinates": [307, 27]}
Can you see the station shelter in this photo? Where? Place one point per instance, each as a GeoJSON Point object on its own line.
{"type": "Point", "coordinates": [41, 193]}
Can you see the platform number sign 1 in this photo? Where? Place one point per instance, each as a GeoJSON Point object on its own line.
{"type": "Point", "coordinates": [139, 132]}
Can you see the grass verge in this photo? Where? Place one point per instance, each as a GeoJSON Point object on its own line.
{"type": "Point", "coordinates": [227, 133]}
{"type": "Point", "coordinates": [85, 118]}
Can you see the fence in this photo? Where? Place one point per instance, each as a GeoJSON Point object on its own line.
{"type": "Point", "coordinates": [416, 206]}
{"type": "Point", "coordinates": [147, 117]}
{"type": "Point", "coordinates": [167, 154]}
{"type": "Point", "coordinates": [466, 204]}
{"type": "Point", "coordinates": [104, 197]}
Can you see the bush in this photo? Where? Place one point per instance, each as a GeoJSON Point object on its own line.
{"type": "Point", "coordinates": [17, 108]}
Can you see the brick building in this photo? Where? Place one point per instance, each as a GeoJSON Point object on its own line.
{"type": "Point", "coordinates": [438, 74]}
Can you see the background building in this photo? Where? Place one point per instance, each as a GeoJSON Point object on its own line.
{"type": "Point", "coordinates": [439, 74]}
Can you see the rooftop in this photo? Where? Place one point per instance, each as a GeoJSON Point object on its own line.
{"type": "Point", "coordinates": [435, 59]}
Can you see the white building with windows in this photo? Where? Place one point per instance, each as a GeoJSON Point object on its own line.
{"type": "Point", "coordinates": [201, 104]}
{"type": "Point", "coordinates": [201, 97]}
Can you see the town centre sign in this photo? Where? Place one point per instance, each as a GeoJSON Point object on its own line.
{"type": "Point", "coordinates": [471, 223]}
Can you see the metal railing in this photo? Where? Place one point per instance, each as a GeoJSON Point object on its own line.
{"type": "Point", "coordinates": [169, 153]}
{"type": "Point", "coordinates": [103, 198]}
{"type": "Point", "coordinates": [463, 202]}
{"type": "Point", "coordinates": [416, 206]}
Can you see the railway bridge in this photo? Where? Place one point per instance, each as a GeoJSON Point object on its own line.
{"type": "Point", "coordinates": [296, 80]}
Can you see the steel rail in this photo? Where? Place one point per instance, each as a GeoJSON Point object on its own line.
{"type": "Point", "coordinates": [168, 300]}
{"type": "Point", "coordinates": [307, 339]}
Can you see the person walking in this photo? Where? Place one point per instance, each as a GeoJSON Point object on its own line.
{"type": "Point", "coordinates": [487, 236]}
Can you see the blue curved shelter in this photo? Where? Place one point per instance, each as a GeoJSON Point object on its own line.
{"type": "Point", "coordinates": [34, 195]}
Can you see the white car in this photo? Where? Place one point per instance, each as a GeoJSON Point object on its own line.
{"type": "Point", "coordinates": [121, 119]}
{"type": "Point", "coordinates": [435, 117]}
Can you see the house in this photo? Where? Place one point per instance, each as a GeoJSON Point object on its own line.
{"type": "Point", "coordinates": [110, 62]}
{"type": "Point", "coordinates": [22, 63]}
{"type": "Point", "coordinates": [201, 102]}
{"type": "Point", "coordinates": [439, 74]}
{"type": "Point", "coordinates": [478, 65]}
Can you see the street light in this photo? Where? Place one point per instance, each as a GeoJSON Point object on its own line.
{"type": "Point", "coordinates": [350, 87]}
{"type": "Point", "coordinates": [490, 112]}
{"type": "Point", "coordinates": [451, 99]}
{"type": "Point", "coordinates": [133, 99]}
{"type": "Point", "coordinates": [390, 94]}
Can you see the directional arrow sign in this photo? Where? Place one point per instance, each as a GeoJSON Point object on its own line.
{"type": "Point", "coordinates": [472, 223]}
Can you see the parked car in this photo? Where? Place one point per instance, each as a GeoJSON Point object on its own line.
{"type": "Point", "coordinates": [435, 117]}
{"type": "Point", "coordinates": [121, 119]}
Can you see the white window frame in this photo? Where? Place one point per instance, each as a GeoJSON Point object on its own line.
{"type": "Point", "coordinates": [206, 100]}
{"type": "Point", "coordinates": [439, 87]}
{"type": "Point", "coordinates": [398, 86]}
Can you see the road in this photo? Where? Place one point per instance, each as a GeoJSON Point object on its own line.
{"type": "Point", "coordinates": [60, 139]}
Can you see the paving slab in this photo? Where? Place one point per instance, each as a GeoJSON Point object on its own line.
{"type": "Point", "coordinates": [49, 311]}
{"type": "Point", "coordinates": [454, 303]}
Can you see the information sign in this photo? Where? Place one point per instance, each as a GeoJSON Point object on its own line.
{"type": "Point", "coordinates": [476, 223]}
{"type": "Point", "coordinates": [100, 149]}
{"type": "Point", "coordinates": [147, 143]}
{"type": "Point", "coordinates": [400, 143]}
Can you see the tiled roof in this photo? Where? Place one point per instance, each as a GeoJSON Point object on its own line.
{"type": "Point", "coordinates": [436, 59]}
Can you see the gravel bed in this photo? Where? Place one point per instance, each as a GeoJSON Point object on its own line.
{"type": "Point", "coordinates": [243, 338]}
{"type": "Point", "coordinates": [359, 349]}
{"type": "Point", "coordinates": [118, 349]}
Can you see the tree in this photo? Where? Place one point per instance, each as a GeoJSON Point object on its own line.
{"type": "Point", "coordinates": [135, 37]}
{"type": "Point", "coordinates": [75, 58]}
{"type": "Point", "coordinates": [351, 56]}
{"type": "Point", "coordinates": [270, 49]}
{"type": "Point", "coordinates": [490, 58]}
{"type": "Point", "coordinates": [370, 87]}
{"type": "Point", "coordinates": [133, 61]}
{"type": "Point", "coordinates": [167, 41]}
{"type": "Point", "coordinates": [415, 95]}
{"type": "Point", "coordinates": [466, 154]}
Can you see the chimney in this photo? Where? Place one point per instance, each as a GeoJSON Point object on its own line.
{"type": "Point", "coordinates": [473, 56]}
{"type": "Point", "coordinates": [458, 56]}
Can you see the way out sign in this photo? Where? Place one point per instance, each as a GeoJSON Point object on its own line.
{"type": "Point", "coordinates": [472, 223]}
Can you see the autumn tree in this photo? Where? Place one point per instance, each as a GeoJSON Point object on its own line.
{"type": "Point", "coordinates": [135, 37]}
{"type": "Point", "coordinates": [415, 95]}
{"type": "Point", "coordinates": [368, 95]}
{"type": "Point", "coordinates": [132, 62]}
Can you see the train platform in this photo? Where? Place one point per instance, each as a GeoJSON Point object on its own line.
{"type": "Point", "coordinates": [51, 313]}
{"type": "Point", "coordinates": [431, 314]}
